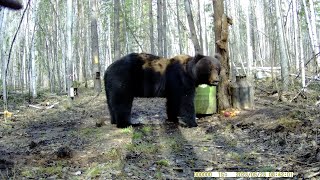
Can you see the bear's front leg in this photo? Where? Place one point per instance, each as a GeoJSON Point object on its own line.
{"type": "Point", "coordinates": [120, 109]}
{"type": "Point", "coordinates": [187, 110]}
{"type": "Point", "coordinates": [122, 114]}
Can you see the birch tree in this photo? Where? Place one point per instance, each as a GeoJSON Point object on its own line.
{"type": "Point", "coordinates": [160, 27]}
{"type": "Point", "coordinates": [69, 48]}
{"type": "Point", "coordinates": [284, 59]}
{"type": "Point", "coordinates": [151, 28]}
{"type": "Point", "coordinates": [311, 22]}
{"type": "Point", "coordinates": [95, 48]}
{"type": "Point", "coordinates": [249, 44]}
{"type": "Point", "coordinates": [33, 70]}
{"type": "Point", "coordinates": [116, 29]}
{"type": "Point", "coordinates": [192, 28]}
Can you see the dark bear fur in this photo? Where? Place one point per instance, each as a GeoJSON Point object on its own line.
{"type": "Point", "coordinates": [12, 4]}
{"type": "Point", "coordinates": [147, 75]}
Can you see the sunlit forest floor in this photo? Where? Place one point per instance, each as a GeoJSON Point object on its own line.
{"type": "Point", "coordinates": [56, 140]}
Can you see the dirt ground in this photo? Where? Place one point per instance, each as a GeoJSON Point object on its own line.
{"type": "Point", "coordinates": [78, 142]}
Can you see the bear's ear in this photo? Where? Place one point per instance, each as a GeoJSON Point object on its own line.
{"type": "Point", "coordinates": [198, 56]}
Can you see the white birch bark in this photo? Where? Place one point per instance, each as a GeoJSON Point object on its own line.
{"type": "Point", "coordinates": [249, 45]}
{"type": "Point", "coordinates": [284, 59]}
{"type": "Point", "coordinates": [69, 47]}
{"type": "Point", "coordinates": [310, 16]}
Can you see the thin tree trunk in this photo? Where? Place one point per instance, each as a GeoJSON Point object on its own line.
{"type": "Point", "coordinates": [179, 28]}
{"type": "Point", "coordinates": [116, 29]}
{"type": "Point", "coordinates": [249, 44]}
{"type": "Point", "coordinates": [69, 48]}
{"type": "Point", "coordinates": [151, 28]}
{"type": "Point", "coordinates": [164, 29]}
{"type": "Point", "coordinates": [310, 17]}
{"type": "Point", "coordinates": [192, 28]}
{"type": "Point", "coordinates": [283, 56]}
{"type": "Point", "coordinates": [296, 33]}
{"type": "Point", "coordinates": [302, 66]}
{"type": "Point", "coordinates": [159, 27]}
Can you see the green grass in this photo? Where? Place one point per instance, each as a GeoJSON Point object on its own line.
{"type": "Point", "coordinates": [144, 147]}
{"type": "Point", "coordinates": [267, 169]}
{"type": "Point", "coordinates": [127, 130]}
{"type": "Point", "coordinates": [137, 135]}
{"type": "Point", "coordinates": [94, 171]}
{"type": "Point", "coordinates": [146, 129]}
{"type": "Point", "coordinates": [114, 154]}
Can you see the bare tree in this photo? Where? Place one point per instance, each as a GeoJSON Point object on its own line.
{"type": "Point", "coordinates": [95, 48]}
{"type": "Point", "coordinates": [193, 33]}
{"type": "Point", "coordinates": [283, 56]}
{"type": "Point", "coordinates": [311, 21]}
{"type": "Point", "coordinates": [221, 23]}
{"type": "Point", "coordinates": [69, 48]}
{"type": "Point", "coordinates": [151, 28]}
{"type": "Point", "coordinates": [159, 27]}
{"type": "Point", "coordinates": [116, 30]}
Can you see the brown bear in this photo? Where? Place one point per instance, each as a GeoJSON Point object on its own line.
{"type": "Point", "coordinates": [147, 75]}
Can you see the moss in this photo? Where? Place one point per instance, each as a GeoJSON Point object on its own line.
{"type": "Point", "coordinates": [163, 162]}
{"type": "Point", "coordinates": [288, 123]}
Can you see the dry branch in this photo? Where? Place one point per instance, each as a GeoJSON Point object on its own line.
{"type": "Point", "coordinates": [39, 106]}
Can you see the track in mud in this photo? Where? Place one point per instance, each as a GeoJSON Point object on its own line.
{"type": "Point", "coordinates": [65, 142]}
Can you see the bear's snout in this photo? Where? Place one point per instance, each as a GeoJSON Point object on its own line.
{"type": "Point", "coordinates": [214, 79]}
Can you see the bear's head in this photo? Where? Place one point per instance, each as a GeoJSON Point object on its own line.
{"type": "Point", "coordinates": [206, 69]}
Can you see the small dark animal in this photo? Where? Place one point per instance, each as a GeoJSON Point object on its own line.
{"type": "Point", "coordinates": [147, 75]}
{"type": "Point", "coordinates": [12, 4]}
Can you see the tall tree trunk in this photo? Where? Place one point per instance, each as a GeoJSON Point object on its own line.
{"type": "Point", "coordinates": [221, 23]}
{"type": "Point", "coordinates": [296, 32]}
{"type": "Point", "coordinates": [4, 65]}
{"type": "Point", "coordinates": [56, 44]}
{"type": "Point", "coordinates": [249, 44]}
{"type": "Point", "coordinates": [151, 28]}
{"type": "Point", "coordinates": [192, 28]}
{"type": "Point", "coordinates": [310, 17]}
{"type": "Point", "coordinates": [70, 75]}
{"type": "Point", "coordinates": [164, 29]}
{"type": "Point", "coordinates": [116, 29]}
{"type": "Point", "coordinates": [33, 73]}
{"type": "Point", "coordinates": [159, 27]}
{"type": "Point", "coordinates": [179, 28]}
{"type": "Point", "coordinates": [95, 48]}
{"type": "Point", "coordinates": [283, 56]}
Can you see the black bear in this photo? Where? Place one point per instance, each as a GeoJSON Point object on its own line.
{"type": "Point", "coordinates": [147, 75]}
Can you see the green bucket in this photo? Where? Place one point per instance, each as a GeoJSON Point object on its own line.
{"type": "Point", "coordinates": [205, 100]}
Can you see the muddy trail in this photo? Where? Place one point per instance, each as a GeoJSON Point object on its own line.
{"type": "Point", "coordinates": [77, 141]}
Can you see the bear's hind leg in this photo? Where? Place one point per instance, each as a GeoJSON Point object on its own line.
{"type": "Point", "coordinates": [111, 111]}
{"type": "Point", "coordinates": [173, 109]}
